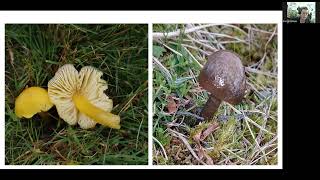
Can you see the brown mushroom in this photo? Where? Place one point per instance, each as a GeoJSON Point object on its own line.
{"type": "Point", "coordinates": [224, 77]}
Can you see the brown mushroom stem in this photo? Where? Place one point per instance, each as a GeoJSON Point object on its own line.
{"type": "Point", "coordinates": [210, 108]}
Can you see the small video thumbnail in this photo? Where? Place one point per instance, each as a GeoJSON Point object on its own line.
{"type": "Point", "coordinates": [300, 12]}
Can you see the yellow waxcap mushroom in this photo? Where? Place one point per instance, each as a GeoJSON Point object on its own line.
{"type": "Point", "coordinates": [79, 97]}
{"type": "Point", "coordinates": [32, 101]}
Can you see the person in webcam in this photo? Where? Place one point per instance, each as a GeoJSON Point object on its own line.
{"type": "Point", "coordinates": [304, 15]}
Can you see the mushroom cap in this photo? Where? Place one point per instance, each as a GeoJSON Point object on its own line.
{"type": "Point", "coordinates": [32, 101]}
{"type": "Point", "coordinates": [223, 75]}
{"type": "Point", "coordinates": [68, 81]}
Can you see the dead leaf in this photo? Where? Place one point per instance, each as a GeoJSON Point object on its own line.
{"type": "Point", "coordinates": [11, 56]}
{"type": "Point", "coordinates": [209, 130]}
{"type": "Point", "coordinates": [203, 153]}
{"type": "Point", "coordinates": [172, 105]}
{"type": "Point", "coordinates": [200, 136]}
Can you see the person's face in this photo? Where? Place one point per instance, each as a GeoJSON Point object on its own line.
{"type": "Point", "coordinates": [304, 14]}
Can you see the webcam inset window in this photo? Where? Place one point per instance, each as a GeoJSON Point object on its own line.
{"type": "Point", "coordinates": [300, 12]}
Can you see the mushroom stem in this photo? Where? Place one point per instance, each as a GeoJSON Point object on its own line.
{"type": "Point", "coordinates": [211, 107]}
{"type": "Point", "coordinates": [96, 113]}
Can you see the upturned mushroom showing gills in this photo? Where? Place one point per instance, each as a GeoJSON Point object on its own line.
{"type": "Point", "coordinates": [31, 101]}
{"type": "Point", "coordinates": [79, 97]}
{"type": "Point", "coordinates": [224, 77]}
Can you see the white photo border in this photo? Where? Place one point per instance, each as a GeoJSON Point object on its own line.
{"type": "Point", "coordinates": [141, 17]}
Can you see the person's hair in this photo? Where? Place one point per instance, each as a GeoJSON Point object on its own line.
{"type": "Point", "coordinates": [302, 8]}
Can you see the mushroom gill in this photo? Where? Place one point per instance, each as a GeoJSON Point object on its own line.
{"type": "Point", "coordinates": [79, 97]}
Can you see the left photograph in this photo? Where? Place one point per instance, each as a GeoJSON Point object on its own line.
{"type": "Point", "coordinates": [76, 94]}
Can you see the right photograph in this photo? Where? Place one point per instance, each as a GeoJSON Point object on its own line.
{"type": "Point", "coordinates": [215, 94]}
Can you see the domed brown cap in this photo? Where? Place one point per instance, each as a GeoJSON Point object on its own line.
{"type": "Point", "coordinates": [224, 77]}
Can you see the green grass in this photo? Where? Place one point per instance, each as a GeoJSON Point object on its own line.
{"type": "Point", "coordinates": [33, 55]}
{"type": "Point", "coordinates": [177, 62]}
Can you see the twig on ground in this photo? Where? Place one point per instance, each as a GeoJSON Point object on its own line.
{"type": "Point", "coordinates": [260, 62]}
{"type": "Point", "coordinates": [159, 35]}
{"type": "Point", "coordinates": [212, 48]}
{"type": "Point", "coordinates": [197, 62]}
{"type": "Point", "coordinates": [237, 156]}
{"type": "Point", "coordinates": [164, 70]}
{"type": "Point", "coordinates": [224, 35]}
{"type": "Point", "coordinates": [174, 51]}
{"type": "Point", "coordinates": [249, 69]}
{"type": "Point", "coordinates": [249, 120]}
{"type": "Point", "coordinates": [192, 47]}
{"type": "Point", "coordinates": [164, 151]}
{"type": "Point", "coordinates": [259, 30]}
{"type": "Point", "coordinates": [190, 114]}
{"type": "Point", "coordinates": [187, 145]}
